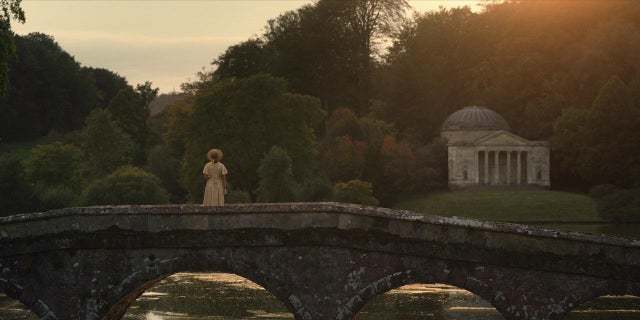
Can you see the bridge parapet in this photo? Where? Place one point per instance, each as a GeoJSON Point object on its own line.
{"type": "Point", "coordinates": [323, 260]}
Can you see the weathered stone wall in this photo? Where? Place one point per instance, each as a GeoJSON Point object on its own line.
{"type": "Point", "coordinates": [324, 261]}
{"type": "Point", "coordinates": [539, 166]}
{"type": "Point", "coordinates": [463, 170]}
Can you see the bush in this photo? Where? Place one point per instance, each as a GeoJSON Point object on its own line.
{"type": "Point", "coordinates": [60, 196]}
{"type": "Point", "coordinates": [276, 177]}
{"type": "Point", "coordinates": [127, 185]}
{"type": "Point", "coordinates": [620, 206]}
{"type": "Point", "coordinates": [54, 171]}
{"type": "Point", "coordinates": [316, 189]}
{"type": "Point", "coordinates": [355, 191]}
{"type": "Point", "coordinates": [16, 195]}
{"type": "Point", "coordinates": [237, 196]}
{"type": "Point", "coordinates": [601, 190]}
{"type": "Point", "coordinates": [166, 167]}
{"type": "Point", "coordinates": [54, 164]}
{"type": "Point", "coordinates": [106, 146]}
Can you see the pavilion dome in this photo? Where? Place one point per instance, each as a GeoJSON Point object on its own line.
{"type": "Point", "coordinates": [475, 118]}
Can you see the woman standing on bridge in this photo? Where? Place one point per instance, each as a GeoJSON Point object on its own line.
{"type": "Point", "coordinates": [216, 174]}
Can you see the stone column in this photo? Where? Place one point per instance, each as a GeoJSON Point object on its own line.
{"type": "Point", "coordinates": [486, 166]}
{"type": "Point", "coordinates": [519, 174]}
{"type": "Point", "coordinates": [508, 167]}
{"type": "Point", "coordinates": [477, 166]}
{"type": "Point", "coordinates": [496, 158]}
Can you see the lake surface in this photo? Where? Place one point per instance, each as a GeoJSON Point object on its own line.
{"type": "Point", "coordinates": [191, 296]}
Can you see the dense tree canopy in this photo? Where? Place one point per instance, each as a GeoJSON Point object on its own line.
{"type": "Point", "coordinates": [48, 91]}
{"type": "Point", "coordinates": [9, 9]}
{"type": "Point", "coordinates": [105, 144]}
{"type": "Point", "coordinates": [565, 71]}
{"type": "Point", "coordinates": [246, 118]}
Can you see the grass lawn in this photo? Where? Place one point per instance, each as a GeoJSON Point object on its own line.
{"type": "Point", "coordinates": [515, 206]}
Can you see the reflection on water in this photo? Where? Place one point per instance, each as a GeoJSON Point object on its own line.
{"type": "Point", "coordinates": [188, 296]}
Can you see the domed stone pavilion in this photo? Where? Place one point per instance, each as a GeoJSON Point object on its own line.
{"type": "Point", "coordinates": [483, 152]}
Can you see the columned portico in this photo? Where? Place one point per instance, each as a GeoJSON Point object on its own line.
{"type": "Point", "coordinates": [507, 173]}
{"type": "Point", "coordinates": [482, 151]}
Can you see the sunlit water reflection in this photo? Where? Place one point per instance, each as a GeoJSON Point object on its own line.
{"type": "Point", "coordinates": [188, 296]}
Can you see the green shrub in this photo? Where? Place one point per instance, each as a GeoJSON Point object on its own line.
{"type": "Point", "coordinates": [622, 205]}
{"type": "Point", "coordinates": [127, 185]}
{"type": "Point", "coordinates": [54, 170]}
{"type": "Point", "coordinates": [314, 189]}
{"type": "Point", "coordinates": [237, 196]}
{"type": "Point", "coordinates": [355, 191]}
{"type": "Point", "coordinates": [60, 196]}
{"type": "Point", "coordinates": [276, 177]}
{"type": "Point", "coordinates": [105, 145]}
{"type": "Point", "coordinates": [16, 195]}
{"type": "Point", "coordinates": [166, 167]}
{"type": "Point", "coordinates": [54, 164]}
{"type": "Point", "coordinates": [601, 190]}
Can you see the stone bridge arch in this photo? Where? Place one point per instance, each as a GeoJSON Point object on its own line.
{"type": "Point", "coordinates": [152, 269]}
{"type": "Point", "coordinates": [323, 260]}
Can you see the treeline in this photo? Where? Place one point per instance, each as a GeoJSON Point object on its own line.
{"type": "Point", "coordinates": [564, 71]}
{"type": "Point", "coordinates": [72, 135]}
{"type": "Point", "coordinates": [317, 108]}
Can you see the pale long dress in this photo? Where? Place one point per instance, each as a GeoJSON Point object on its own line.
{"type": "Point", "coordinates": [214, 191]}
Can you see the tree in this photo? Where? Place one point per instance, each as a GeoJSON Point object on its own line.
{"type": "Point", "coordinates": [17, 195]}
{"type": "Point", "coordinates": [54, 171]}
{"type": "Point", "coordinates": [599, 144]}
{"type": "Point", "coordinates": [176, 134]}
{"type": "Point", "coordinates": [277, 183]}
{"type": "Point", "coordinates": [431, 170]}
{"type": "Point", "coordinates": [243, 60]}
{"type": "Point", "coordinates": [49, 92]}
{"type": "Point", "coordinates": [246, 118]}
{"type": "Point", "coordinates": [130, 109]}
{"type": "Point", "coordinates": [54, 164]}
{"type": "Point", "coordinates": [108, 84]}
{"type": "Point", "coordinates": [105, 145]}
{"type": "Point", "coordinates": [355, 191]}
{"type": "Point", "coordinates": [164, 165]}
{"type": "Point", "coordinates": [127, 185]}
{"type": "Point", "coordinates": [398, 164]}
{"type": "Point", "coordinates": [343, 158]}
{"type": "Point", "coordinates": [9, 9]}
{"type": "Point", "coordinates": [620, 205]}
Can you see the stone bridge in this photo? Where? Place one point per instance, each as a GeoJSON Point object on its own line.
{"type": "Point", "coordinates": [323, 260]}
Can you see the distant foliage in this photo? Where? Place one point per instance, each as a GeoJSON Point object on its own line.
{"type": "Point", "coordinates": [130, 109]}
{"type": "Point", "coordinates": [164, 165]}
{"type": "Point", "coordinates": [431, 170]}
{"type": "Point", "coordinates": [245, 118]}
{"type": "Point", "coordinates": [108, 84]}
{"type": "Point", "coordinates": [55, 172]}
{"type": "Point", "coordinates": [54, 164]}
{"type": "Point", "coordinates": [343, 158]}
{"type": "Point", "coordinates": [48, 91]}
{"type": "Point", "coordinates": [276, 183]}
{"type": "Point", "coordinates": [316, 188]}
{"type": "Point", "coordinates": [602, 190]}
{"type": "Point", "coordinates": [600, 144]}
{"type": "Point", "coordinates": [105, 144]}
{"type": "Point", "coordinates": [9, 10]}
{"type": "Point", "coordinates": [620, 206]}
{"type": "Point", "coordinates": [127, 185]}
{"type": "Point", "coordinates": [16, 194]}
{"type": "Point", "coordinates": [237, 196]}
{"type": "Point", "coordinates": [355, 191]}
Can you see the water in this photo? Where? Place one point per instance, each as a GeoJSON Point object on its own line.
{"type": "Point", "coordinates": [189, 296]}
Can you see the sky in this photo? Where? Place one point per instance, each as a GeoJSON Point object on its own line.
{"type": "Point", "coordinates": [165, 41]}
